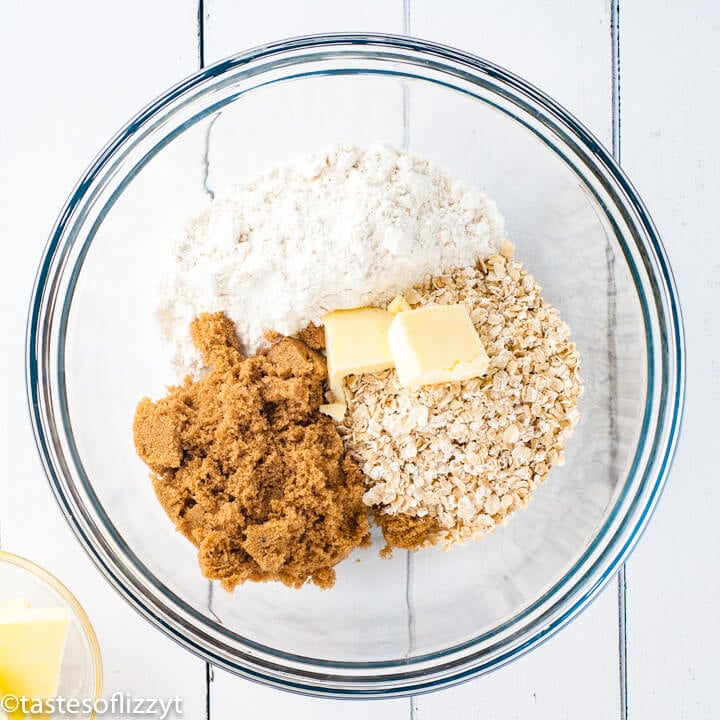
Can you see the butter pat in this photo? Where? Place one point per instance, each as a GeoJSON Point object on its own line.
{"type": "Point", "coordinates": [356, 341]}
{"type": "Point", "coordinates": [32, 643]}
{"type": "Point", "coordinates": [398, 304]}
{"type": "Point", "coordinates": [436, 344]}
{"type": "Point", "coordinates": [336, 411]}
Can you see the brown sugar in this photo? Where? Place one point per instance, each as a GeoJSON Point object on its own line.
{"type": "Point", "coordinates": [247, 467]}
{"type": "Point", "coordinates": [313, 336]}
{"type": "Point", "coordinates": [405, 531]}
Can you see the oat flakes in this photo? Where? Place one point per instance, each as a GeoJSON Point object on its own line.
{"type": "Point", "coordinates": [471, 453]}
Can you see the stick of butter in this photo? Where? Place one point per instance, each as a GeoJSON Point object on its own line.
{"type": "Point", "coordinates": [436, 344]}
{"type": "Point", "coordinates": [336, 411]}
{"type": "Point", "coordinates": [32, 643]}
{"type": "Point", "coordinates": [398, 304]}
{"type": "Point", "coordinates": [356, 341]}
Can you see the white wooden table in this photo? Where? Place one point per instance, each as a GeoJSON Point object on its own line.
{"type": "Point", "coordinates": [642, 74]}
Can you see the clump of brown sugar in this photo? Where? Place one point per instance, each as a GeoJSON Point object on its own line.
{"type": "Point", "coordinates": [247, 467]}
{"type": "Point", "coordinates": [313, 336]}
{"type": "Point", "coordinates": [406, 531]}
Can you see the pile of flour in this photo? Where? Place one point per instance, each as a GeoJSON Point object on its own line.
{"type": "Point", "coordinates": [339, 229]}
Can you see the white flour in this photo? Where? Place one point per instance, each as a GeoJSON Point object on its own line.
{"type": "Point", "coordinates": [340, 229]}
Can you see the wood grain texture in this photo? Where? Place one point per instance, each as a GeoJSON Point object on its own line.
{"type": "Point", "coordinates": [670, 71]}
{"type": "Point", "coordinates": [74, 74]}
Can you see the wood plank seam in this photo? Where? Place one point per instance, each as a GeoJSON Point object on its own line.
{"type": "Point", "coordinates": [208, 685]}
{"type": "Point", "coordinates": [616, 151]}
{"type": "Point", "coordinates": [407, 17]}
{"type": "Point", "coordinates": [201, 33]}
{"type": "Point", "coordinates": [211, 195]}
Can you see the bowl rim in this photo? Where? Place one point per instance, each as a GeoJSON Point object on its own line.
{"type": "Point", "coordinates": [583, 589]}
{"type": "Point", "coordinates": [49, 580]}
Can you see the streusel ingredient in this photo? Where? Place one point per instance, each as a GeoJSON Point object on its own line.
{"type": "Point", "coordinates": [247, 467]}
{"type": "Point", "coordinates": [470, 453]}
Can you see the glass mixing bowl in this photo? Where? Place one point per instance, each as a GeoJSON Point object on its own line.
{"type": "Point", "coordinates": [416, 622]}
{"type": "Point", "coordinates": [81, 669]}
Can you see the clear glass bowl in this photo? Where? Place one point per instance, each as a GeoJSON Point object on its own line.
{"type": "Point", "coordinates": [417, 622]}
{"type": "Point", "coordinates": [81, 670]}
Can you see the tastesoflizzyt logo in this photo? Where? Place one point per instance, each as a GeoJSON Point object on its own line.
{"type": "Point", "coordinates": [118, 704]}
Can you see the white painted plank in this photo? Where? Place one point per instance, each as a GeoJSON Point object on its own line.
{"type": "Point", "coordinates": [670, 71]}
{"type": "Point", "coordinates": [567, 677]}
{"type": "Point", "coordinates": [566, 666]}
{"type": "Point", "coordinates": [564, 48]}
{"type": "Point", "coordinates": [561, 46]}
{"type": "Point", "coordinates": [230, 693]}
{"type": "Point", "coordinates": [229, 29]}
{"type": "Point", "coordinates": [74, 73]}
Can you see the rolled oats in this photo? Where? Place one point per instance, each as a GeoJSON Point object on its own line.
{"type": "Point", "coordinates": [471, 453]}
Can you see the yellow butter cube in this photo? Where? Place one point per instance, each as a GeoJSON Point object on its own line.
{"type": "Point", "coordinates": [32, 643]}
{"type": "Point", "coordinates": [356, 341]}
{"type": "Point", "coordinates": [398, 304]}
{"type": "Point", "coordinates": [436, 344]}
{"type": "Point", "coordinates": [336, 411]}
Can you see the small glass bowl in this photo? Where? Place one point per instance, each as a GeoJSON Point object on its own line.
{"type": "Point", "coordinates": [81, 671]}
